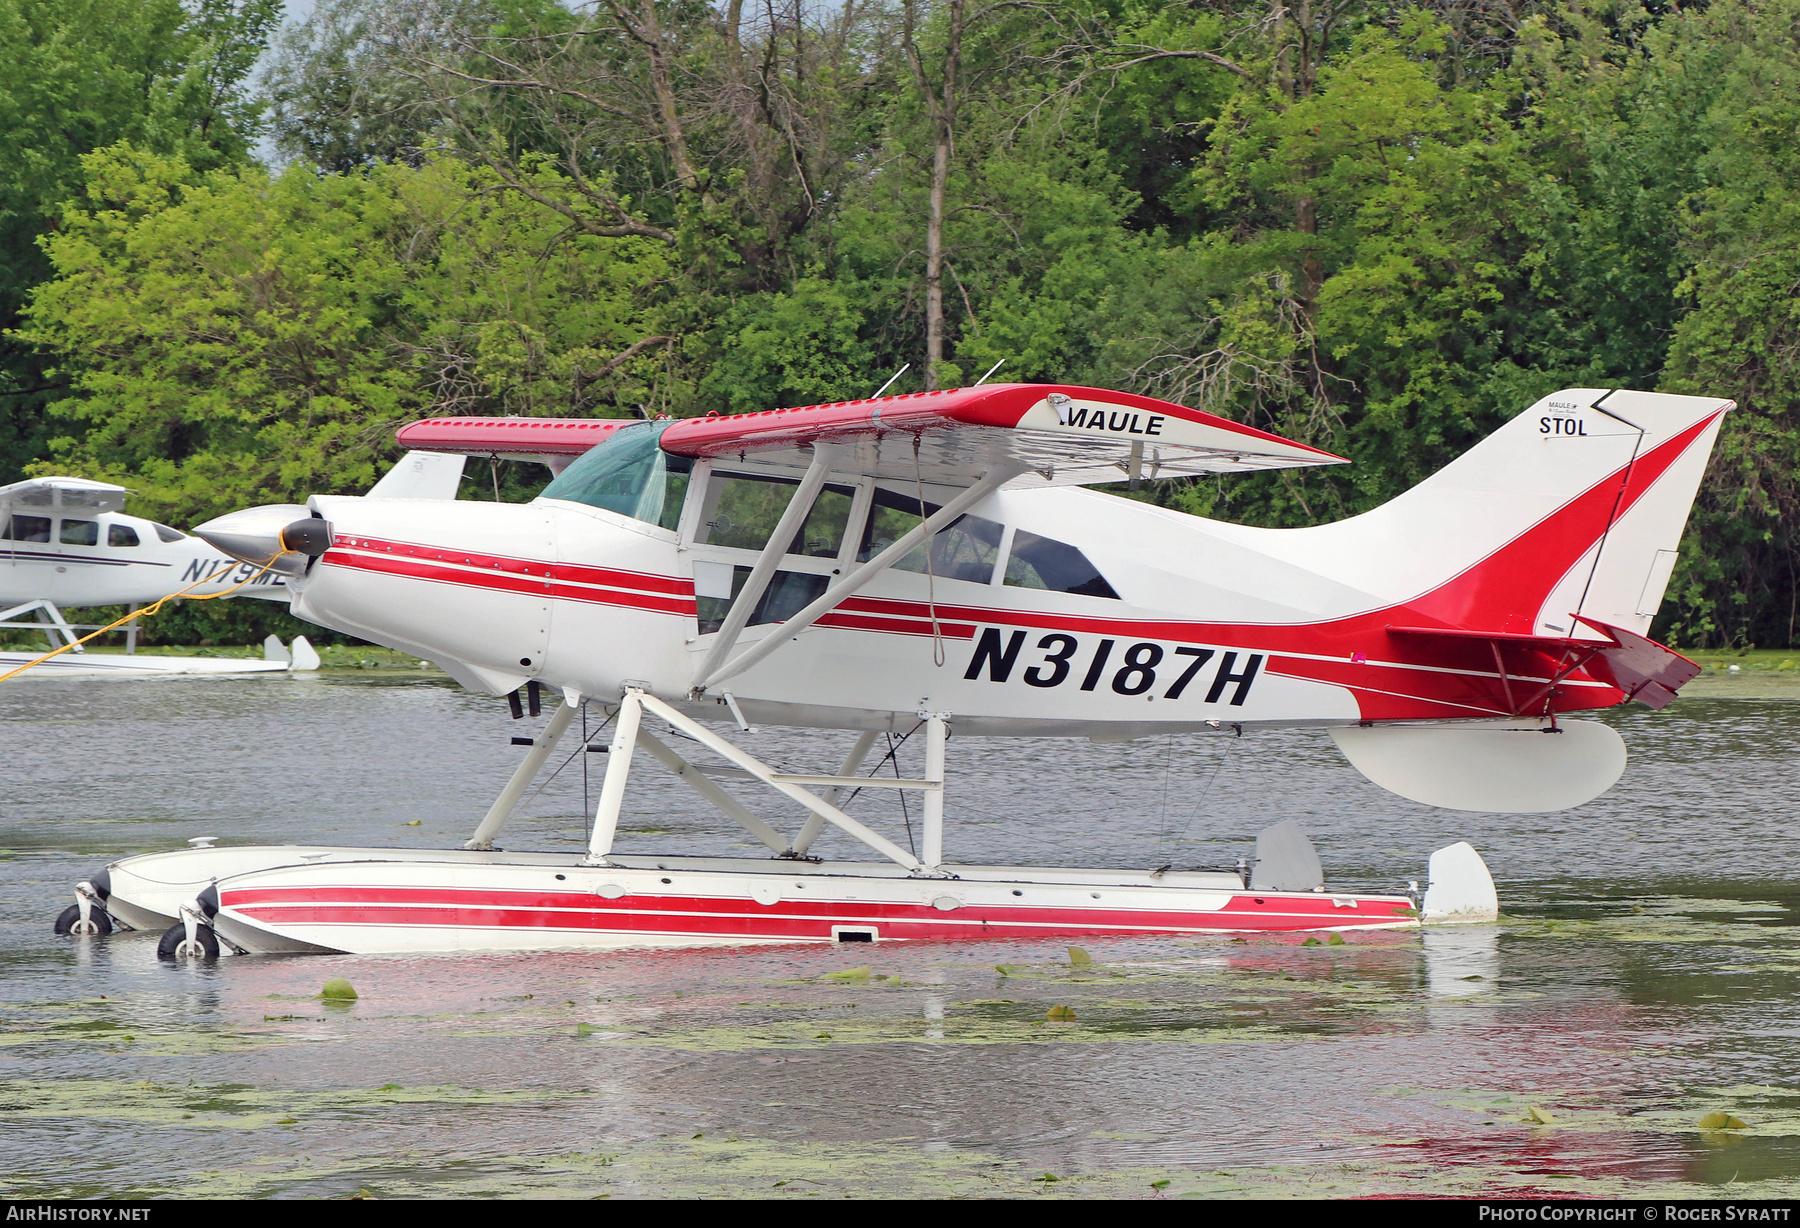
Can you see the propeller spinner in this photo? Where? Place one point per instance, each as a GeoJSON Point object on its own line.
{"type": "Point", "coordinates": [284, 537]}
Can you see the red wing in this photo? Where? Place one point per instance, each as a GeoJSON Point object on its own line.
{"type": "Point", "coordinates": [1063, 434]}
{"type": "Point", "coordinates": [528, 437]}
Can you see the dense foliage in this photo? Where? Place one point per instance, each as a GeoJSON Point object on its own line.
{"type": "Point", "coordinates": [1383, 229]}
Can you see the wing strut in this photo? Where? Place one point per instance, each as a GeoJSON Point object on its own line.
{"type": "Point", "coordinates": [693, 777]}
{"type": "Point", "coordinates": [49, 620]}
{"type": "Point", "coordinates": [850, 584]}
{"type": "Point", "coordinates": [772, 552]}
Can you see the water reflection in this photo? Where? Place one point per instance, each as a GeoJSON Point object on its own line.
{"type": "Point", "coordinates": [1461, 960]}
{"type": "Point", "coordinates": [1643, 977]}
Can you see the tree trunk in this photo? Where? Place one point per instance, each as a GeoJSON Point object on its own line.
{"type": "Point", "coordinates": [1312, 272]}
{"type": "Point", "coordinates": [646, 27]}
{"type": "Point", "coordinates": [942, 103]}
{"type": "Point", "coordinates": [934, 256]}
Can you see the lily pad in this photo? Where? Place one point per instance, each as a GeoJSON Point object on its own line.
{"type": "Point", "coordinates": [1723, 1121]}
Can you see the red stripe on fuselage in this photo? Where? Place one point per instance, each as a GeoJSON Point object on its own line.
{"type": "Point", "coordinates": [574, 573]}
{"type": "Point", "coordinates": [897, 626]}
{"type": "Point", "coordinates": [517, 581]}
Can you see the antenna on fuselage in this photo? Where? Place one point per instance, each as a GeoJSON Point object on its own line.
{"type": "Point", "coordinates": [904, 368]}
{"type": "Point", "coordinates": [984, 379]}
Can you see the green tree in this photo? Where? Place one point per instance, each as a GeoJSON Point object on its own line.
{"type": "Point", "coordinates": [237, 337]}
{"type": "Point", "coordinates": [80, 75]}
{"type": "Point", "coordinates": [1740, 249]}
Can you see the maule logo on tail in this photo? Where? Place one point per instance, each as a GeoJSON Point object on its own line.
{"type": "Point", "coordinates": [1561, 426]}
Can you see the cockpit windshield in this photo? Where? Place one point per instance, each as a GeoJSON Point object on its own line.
{"type": "Point", "coordinates": [630, 474]}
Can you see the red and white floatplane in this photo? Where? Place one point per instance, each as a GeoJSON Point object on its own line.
{"type": "Point", "coordinates": [932, 562]}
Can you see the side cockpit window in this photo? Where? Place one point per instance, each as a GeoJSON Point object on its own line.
{"type": "Point", "coordinates": [121, 535]}
{"type": "Point", "coordinates": [741, 510]}
{"type": "Point", "coordinates": [28, 529]}
{"type": "Point", "coordinates": [964, 549]}
{"type": "Point", "coordinates": [630, 474]}
{"type": "Point", "coordinates": [81, 533]}
{"type": "Point", "coordinates": [1044, 562]}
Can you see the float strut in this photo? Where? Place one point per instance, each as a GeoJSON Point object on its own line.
{"type": "Point", "coordinates": [618, 767]}
{"type": "Point", "coordinates": [522, 776]}
{"type": "Point", "coordinates": [937, 730]}
{"type": "Point", "coordinates": [815, 824]}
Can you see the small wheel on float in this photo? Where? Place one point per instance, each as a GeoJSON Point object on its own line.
{"type": "Point", "coordinates": [69, 922]}
{"type": "Point", "coordinates": [175, 946]}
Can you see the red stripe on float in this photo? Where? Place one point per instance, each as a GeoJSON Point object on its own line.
{"type": "Point", "coordinates": [737, 917]}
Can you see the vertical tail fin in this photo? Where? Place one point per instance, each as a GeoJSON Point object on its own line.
{"type": "Point", "coordinates": [1574, 508]}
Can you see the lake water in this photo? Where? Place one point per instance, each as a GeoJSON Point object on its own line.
{"type": "Point", "coordinates": [1643, 976]}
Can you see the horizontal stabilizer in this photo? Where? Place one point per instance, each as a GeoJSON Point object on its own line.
{"type": "Point", "coordinates": [1500, 767]}
{"type": "Point", "coordinates": [1645, 670]}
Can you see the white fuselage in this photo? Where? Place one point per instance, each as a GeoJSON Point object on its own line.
{"type": "Point", "coordinates": [582, 598]}
{"type": "Point", "coordinates": [1054, 610]}
{"type": "Point", "coordinates": [76, 559]}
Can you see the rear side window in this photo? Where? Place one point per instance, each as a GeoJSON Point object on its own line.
{"type": "Point", "coordinates": [28, 529]}
{"type": "Point", "coordinates": [964, 549]}
{"type": "Point", "coordinates": [1044, 562]}
{"type": "Point", "coordinates": [121, 535]}
{"type": "Point", "coordinates": [81, 532]}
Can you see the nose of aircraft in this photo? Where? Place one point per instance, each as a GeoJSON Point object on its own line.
{"type": "Point", "coordinates": [284, 537]}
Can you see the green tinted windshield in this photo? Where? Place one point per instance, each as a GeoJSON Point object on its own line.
{"type": "Point", "coordinates": [629, 474]}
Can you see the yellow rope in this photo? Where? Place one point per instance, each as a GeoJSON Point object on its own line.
{"type": "Point", "coordinates": [146, 612]}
